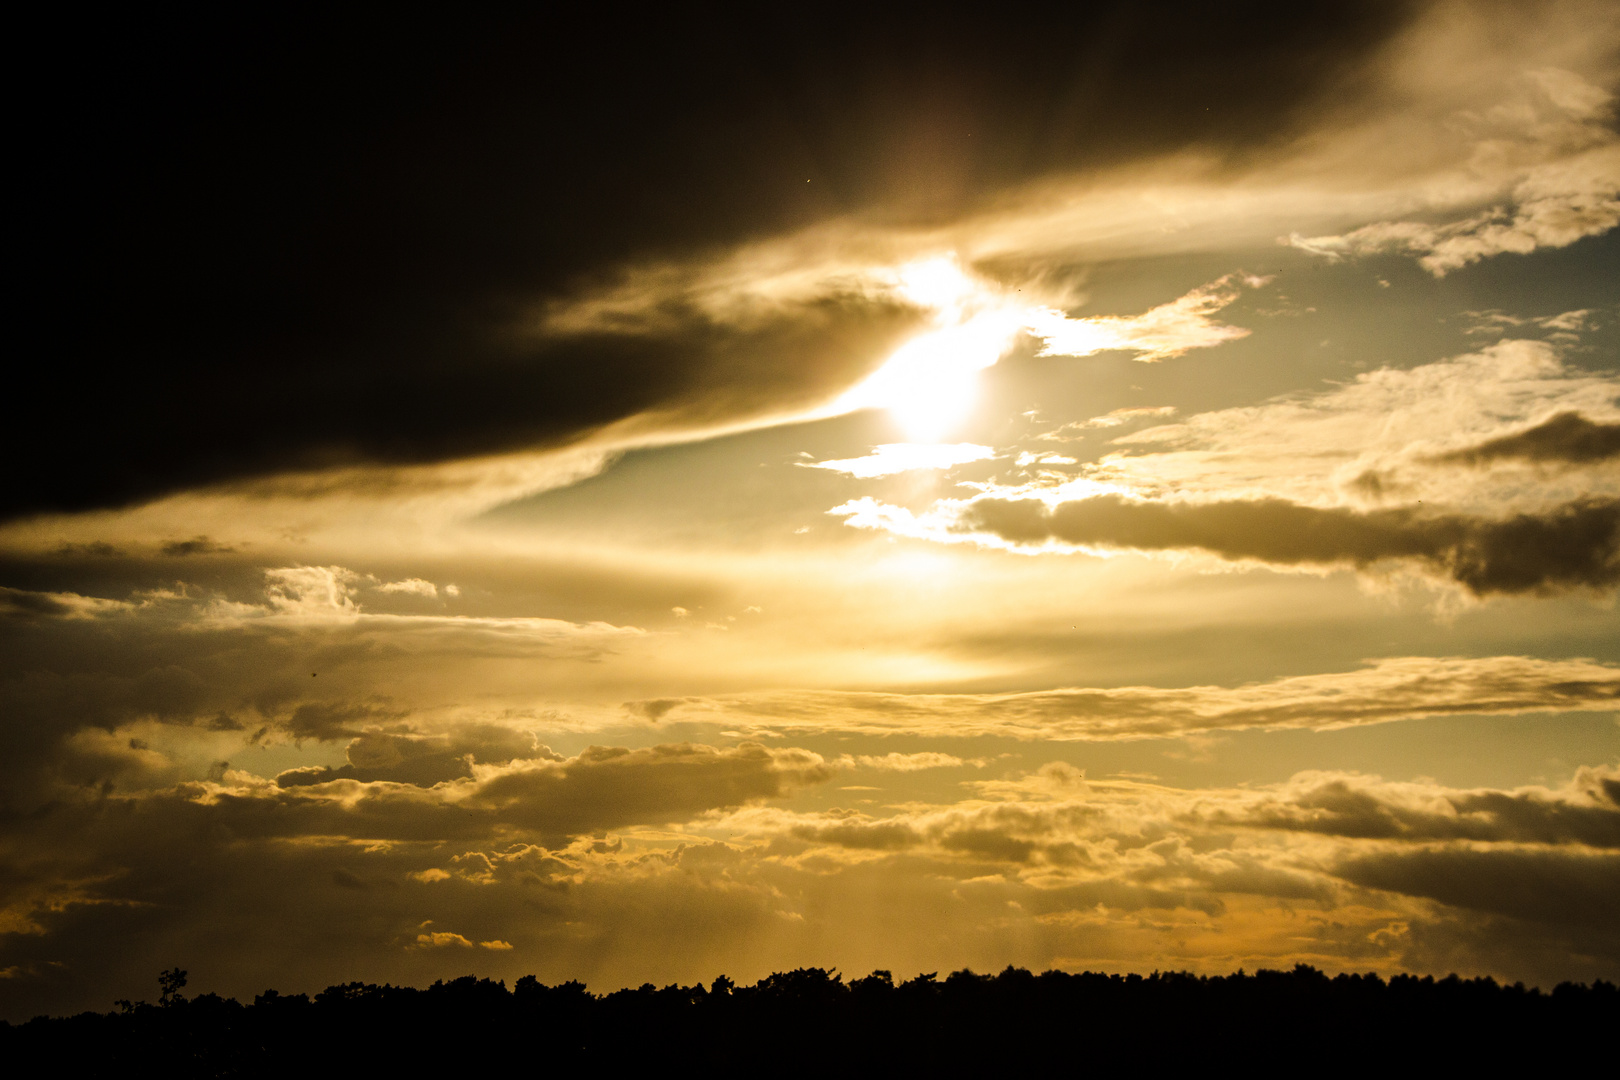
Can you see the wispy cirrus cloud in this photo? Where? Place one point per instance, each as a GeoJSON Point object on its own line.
{"type": "Point", "coordinates": [1114, 418]}
{"type": "Point", "coordinates": [1547, 164]}
{"type": "Point", "coordinates": [1383, 691]}
{"type": "Point", "coordinates": [1314, 447]}
{"type": "Point", "coordinates": [891, 458]}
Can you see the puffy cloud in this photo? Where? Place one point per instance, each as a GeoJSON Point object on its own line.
{"type": "Point", "coordinates": [1385, 690]}
{"type": "Point", "coordinates": [1545, 856]}
{"type": "Point", "coordinates": [1055, 869]}
{"type": "Point", "coordinates": [302, 660]}
{"type": "Point", "coordinates": [426, 795]}
{"type": "Point", "coordinates": [1526, 853]}
{"type": "Point", "coordinates": [412, 586]}
{"type": "Point", "coordinates": [1573, 890]}
{"type": "Point", "coordinates": [605, 787]}
{"type": "Point", "coordinates": [1587, 812]}
{"type": "Point", "coordinates": [422, 759]}
{"type": "Point", "coordinates": [311, 592]}
{"type": "Point", "coordinates": [132, 877]}
{"type": "Point", "coordinates": [336, 719]}
{"type": "Point", "coordinates": [439, 939]}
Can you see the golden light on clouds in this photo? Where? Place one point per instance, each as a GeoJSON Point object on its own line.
{"type": "Point", "coordinates": [906, 501]}
{"type": "Point", "coordinates": [929, 382]}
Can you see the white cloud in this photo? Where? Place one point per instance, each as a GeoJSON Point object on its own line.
{"type": "Point", "coordinates": [1166, 331]}
{"type": "Point", "coordinates": [413, 586]}
{"type": "Point", "coordinates": [891, 458]}
{"type": "Point", "coordinates": [441, 939]}
{"type": "Point", "coordinates": [312, 592]}
{"type": "Point", "coordinates": [897, 762]}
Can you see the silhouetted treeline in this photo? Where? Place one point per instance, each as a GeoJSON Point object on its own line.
{"type": "Point", "coordinates": [811, 1021]}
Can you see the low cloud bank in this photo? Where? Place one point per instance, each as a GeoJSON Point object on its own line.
{"type": "Point", "coordinates": [1574, 546]}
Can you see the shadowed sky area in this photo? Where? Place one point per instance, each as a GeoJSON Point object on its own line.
{"type": "Point", "coordinates": [1101, 487]}
{"type": "Point", "coordinates": [316, 242]}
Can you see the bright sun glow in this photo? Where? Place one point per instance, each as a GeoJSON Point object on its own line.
{"type": "Point", "coordinates": [930, 382]}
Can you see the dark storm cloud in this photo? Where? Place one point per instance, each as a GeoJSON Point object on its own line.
{"type": "Point", "coordinates": [197, 545]}
{"type": "Point", "coordinates": [423, 760]}
{"type": "Point", "coordinates": [539, 795]}
{"type": "Point", "coordinates": [1573, 546]}
{"type": "Point", "coordinates": [24, 603]}
{"type": "Point", "coordinates": [258, 241]}
{"type": "Point", "coordinates": [1351, 807]}
{"type": "Point", "coordinates": [543, 795]}
{"type": "Point", "coordinates": [119, 874]}
{"type": "Point", "coordinates": [1563, 888]}
{"type": "Point", "coordinates": [1568, 438]}
{"type": "Point", "coordinates": [610, 787]}
{"type": "Point", "coordinates": [76, 669]}
{"type": "Point", "coordinates": [338, 719]}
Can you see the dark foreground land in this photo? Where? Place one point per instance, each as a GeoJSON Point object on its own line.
{"type": "Point", "coordinates": [812, 1022]}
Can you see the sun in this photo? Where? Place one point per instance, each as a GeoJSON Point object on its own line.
{"type": "Point", "coordinates": [930, 383]}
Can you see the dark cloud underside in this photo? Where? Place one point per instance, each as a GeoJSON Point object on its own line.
{"type": "Point", "coordinates": [1574, 546]}
{"type": "Point", "coordinates": [1568, 437]}
{"type": "Point", "coordinates": [257, 243]}
{"type": "Point", "coordinates": [1564, 888]}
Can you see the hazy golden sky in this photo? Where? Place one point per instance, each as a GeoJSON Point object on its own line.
{"type": "Point", "coordinates": [1093, 488]}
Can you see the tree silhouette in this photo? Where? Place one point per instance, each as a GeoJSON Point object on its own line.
{"type": "Point", "coordinates": [800, 1020]}
{"type": "Point", "coordinates": [171, 982]}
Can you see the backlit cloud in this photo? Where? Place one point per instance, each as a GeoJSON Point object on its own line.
{"type": "Point", "coordinates": [1142, 493]}
{"type": "Point", "coordinates": [891, 458]}
{"type": "Point", "coordinates": [1574, 546]}
{"type": "Point", "coordinates": [1386, 690]}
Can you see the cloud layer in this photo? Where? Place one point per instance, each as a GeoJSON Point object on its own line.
{"type": "Point", "coordinates": [1575, 546]}
{"type": "Point", "coordinates": [1048, 866]}
{"type": "Point", "coordinates": [1386, 690]}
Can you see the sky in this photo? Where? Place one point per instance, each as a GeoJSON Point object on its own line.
{"type": "Point", "coordinates": [1077, 487]}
